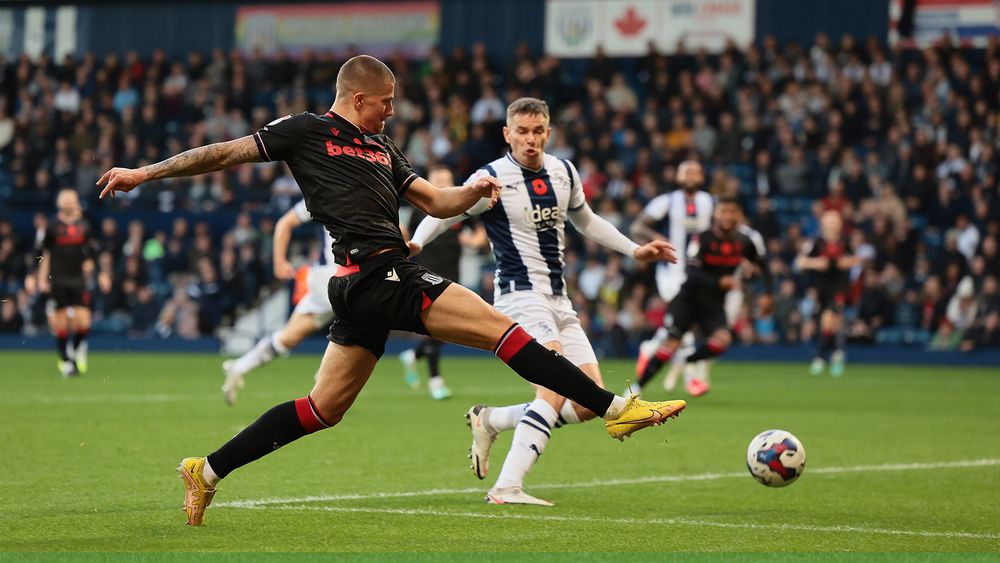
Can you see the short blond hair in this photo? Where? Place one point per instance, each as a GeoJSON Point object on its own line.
{"type": "Point", "coordinates": [362, 73]}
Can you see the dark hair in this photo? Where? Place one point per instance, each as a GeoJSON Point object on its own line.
{"type": "Point", "coordinates": [731, 200]}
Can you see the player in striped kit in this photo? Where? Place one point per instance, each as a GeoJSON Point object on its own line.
{"type": "Point", "coordinates": [526, 229]}
{"type": "Point", "coordinates": [312, 313]}
{"type": "Point", "coordinates": [677, 217]}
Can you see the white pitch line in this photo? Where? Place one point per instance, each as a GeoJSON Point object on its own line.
{"type": "Point", "coordinates": [612, 482]}
{"type": "Point", "coordinates": [534, 516]}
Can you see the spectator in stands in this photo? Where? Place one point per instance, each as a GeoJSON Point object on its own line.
{"type": "Point", "coordinates": [902, 143]}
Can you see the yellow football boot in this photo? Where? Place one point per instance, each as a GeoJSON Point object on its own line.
{"type": "Point", "coordinates": [639, 414]}
{"type": "Point", "coordinates": [197, 492]}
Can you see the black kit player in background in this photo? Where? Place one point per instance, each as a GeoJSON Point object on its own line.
{"type": "Point", "coordinates": [715, 257]}
{"type": "Point", "coordinates": [830, 258]}
{"type": "Point", "coordinates": [353, 178]}
{"type": "Point", "coordinates": [66, 264]}
{"type": "Point", "coordinates": [443, 260]}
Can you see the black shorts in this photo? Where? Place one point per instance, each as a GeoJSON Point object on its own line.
{"type": "Point", "coordinates": [693, 307]}
{"type": "Point", "coordinates": [386, 292]}
{"type": "Point", "coordinates": [70, 296]}
{"type": "Point", "coordinates": [832, 297]}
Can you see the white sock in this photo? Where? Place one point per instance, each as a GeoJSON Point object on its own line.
{"type": "Point", "coordinates": [616, 408]}
{"type": "Point", "coordinates": [261, 354]}
{"type": "Point", "coordinates": [530, 437]}
{"type": "Point", "coordinates": [280, 348]}
{"type": "Point", "coordinates": [505, 418]}
{"type": "Point", "coordinates": [80, 354]}
{"type": "Point", "coordinates": [660, 337]}
{"type": "Point", "coordinates": [209, 474]}
{"type": "Point", "coordinates": [568, 414]}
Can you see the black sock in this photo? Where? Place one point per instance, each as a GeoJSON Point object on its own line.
{"type": "Point", "coordinates": [431, 349]}
{"type": "Point", "coordinates": [281, 425]}
{"type": "Point", "coordinates": [545, 367]}
{"type": "Point", "coordinates": [79, 337]}
{"type": "Point", "coordinates": [840, 341]}
{"type": "Point", "coordinates": [825, 345]}
{"type": "Point", "coordinates": [62, 340]}
{"type": "Point", "coordinates": [708, 349]}
{"type": "Point", "coordinates": [658, 360]}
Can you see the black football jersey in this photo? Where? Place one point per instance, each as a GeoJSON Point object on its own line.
{"type": "Point", "coordinates": [716, 254]}
{"type": "Point", "coordinates": [69, 247]}
{"type": "Point", "coordinates": [832, 250]}
{"type": "Point", "coordinates": [352, 180]}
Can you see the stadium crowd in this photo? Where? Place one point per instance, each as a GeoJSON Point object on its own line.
{"type": "Point", "coordinates": [902, 141]}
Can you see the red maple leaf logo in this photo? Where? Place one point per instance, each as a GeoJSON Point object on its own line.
{"type": "Point", "coordinates": [631, 24]}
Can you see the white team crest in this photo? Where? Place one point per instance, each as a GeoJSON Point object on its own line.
{"type": "Point", "coordinates": [431, 278]}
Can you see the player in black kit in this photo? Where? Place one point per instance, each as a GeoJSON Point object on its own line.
{"type": "Point", "coordinates": [352, 178]}
{"type": "Point", "coordinates": [62, 273]}
{"type": "Point", "coordinates": [715, 258]}
{"type": "Point", "coordinates": [830, 258]}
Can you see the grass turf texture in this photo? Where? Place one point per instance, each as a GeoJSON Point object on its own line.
{"type": "Point", "coordinates": [90, 465]}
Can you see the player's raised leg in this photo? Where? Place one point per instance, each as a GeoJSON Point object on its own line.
{"type": "Point", "coordinates": [460, 316]}
{"type": "Point", "coordinates": [342, 374]}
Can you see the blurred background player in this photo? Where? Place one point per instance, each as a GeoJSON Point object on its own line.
{"type": "Point", "coordinates": [677, 217]}
{"type": "Point", "coordinates": [526, 228]}
{"type": "Point", "coordinates": [443, 259]}
{"type": "Point", "coordinates": [715, 258]}
{"type": "Point", "coordinates": [312, 313]}
{"type": "Point", "coordinates": [830, 257]}
{"type": "Point", "coordinates": [63, 272]}
{"type": "Point", "coordinates": [697, 375]}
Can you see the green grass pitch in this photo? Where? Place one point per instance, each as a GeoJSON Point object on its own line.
{"type": "Point", "coordinates": [901, 461]}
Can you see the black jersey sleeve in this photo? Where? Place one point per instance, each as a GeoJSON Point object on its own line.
{"type": "Point", "coordinates": [402, 173]}
{"type": "Point", "coordinates": [48, 241]}
{"type": "Point", "coordinates": [278, 139]}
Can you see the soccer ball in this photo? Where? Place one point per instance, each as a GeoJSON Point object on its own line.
{"type": "Point", "coordinates": [776, 458]}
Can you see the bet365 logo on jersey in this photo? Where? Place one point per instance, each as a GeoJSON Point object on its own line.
{"type": "Point", "coordinates": [543, 217]}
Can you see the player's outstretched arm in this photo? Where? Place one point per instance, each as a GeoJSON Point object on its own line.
{"type": "Point", "coordinates": [444, 203]}
{"type": "Point", "coordinates": [188, 163]}
{"type": "Point", "coordinates": [432, 227]}
{"type": "Point", "coordinates": [598, 229]}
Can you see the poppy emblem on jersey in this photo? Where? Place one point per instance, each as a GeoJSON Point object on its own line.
{"type": "Point", "coordinates": [539, 186]}
{"type": "Point", "coordinates": [727, 248]}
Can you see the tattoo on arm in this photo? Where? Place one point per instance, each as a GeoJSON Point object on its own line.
{"type": "Point", "coordinates": [206, 159]}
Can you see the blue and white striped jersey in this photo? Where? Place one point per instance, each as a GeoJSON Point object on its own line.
{"type": "Point", "coordinates": [679, 219]}
{"type": "Point", "coordinates": [527, 226]}
{"type": "Point", "coordinates": [325, 257]}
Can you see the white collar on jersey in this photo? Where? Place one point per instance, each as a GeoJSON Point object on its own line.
{"type": "Point", "coordinates": [510, 156]}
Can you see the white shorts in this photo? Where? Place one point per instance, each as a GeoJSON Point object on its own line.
{"type": "Point", "coordinates": [316, 301]}
{"type": "Point", "coordinates": [732, 305]}
{"type": "Point", "coordinates": [669, 280]}
{"type": "Point", "coordinates": [549, 318]}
